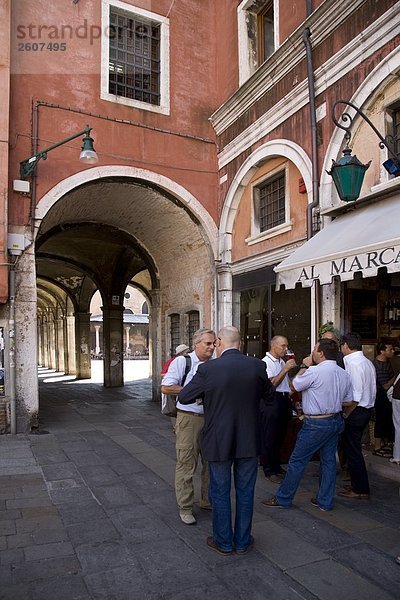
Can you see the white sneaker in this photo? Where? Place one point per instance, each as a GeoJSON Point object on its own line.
{"type": "Point", "coordinates": [395, 460]}
{"type": "Point", "coordinates": [187, 518]}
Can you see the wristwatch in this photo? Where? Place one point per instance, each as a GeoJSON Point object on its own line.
{"type": "Point", "coordinates": [303, 366]}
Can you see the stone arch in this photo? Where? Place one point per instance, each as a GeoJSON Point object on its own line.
{"type": "Point", "coordinates": [279, 147]}
{"type": "Point", "coordinates": [163, 183]}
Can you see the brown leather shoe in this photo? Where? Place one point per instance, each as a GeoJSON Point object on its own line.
{"type": "Point", "coordinates": [353, 495]}
{"type": "Point", "coordinates": [272, 502]}
{"type": "Point", "coordinates": [211, 544]}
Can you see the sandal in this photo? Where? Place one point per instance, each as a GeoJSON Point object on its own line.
{"type": "Point", "coordinates": [382, 453]}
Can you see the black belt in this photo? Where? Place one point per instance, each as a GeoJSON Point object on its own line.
{"type": "Point", "coordinates": [189, 412]}
{"type": "Point", "coordinates": [282, 393]}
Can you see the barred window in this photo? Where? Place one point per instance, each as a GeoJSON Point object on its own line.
{"type": "Point", "coordinates": [134, 57]}
{"type": "Point", "coordinates": [193, 324]}
{"type": "Point", "coordinates": [175, 332]}
{"type": "Point", "coordinates": [271, 199]}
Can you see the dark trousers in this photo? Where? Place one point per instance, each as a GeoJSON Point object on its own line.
{"type": "Point", "coordinates": [383, 416]}
{"type": "Point", "coordinates": [274, 423]}
{"type": "Point", "coordinates": [355, 424]}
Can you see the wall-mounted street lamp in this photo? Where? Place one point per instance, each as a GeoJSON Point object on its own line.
{"type": "Point", "coordinates": [88, 154]}
{"type": "Point", "coordinates": [348, 172]}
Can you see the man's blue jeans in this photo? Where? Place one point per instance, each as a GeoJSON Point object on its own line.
{"type": "Point", "coordinates": [316, 434]}
{"type": "Point", "coordinates": [245, 475]}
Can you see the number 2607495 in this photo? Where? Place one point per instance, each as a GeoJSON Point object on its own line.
{"type": "Point", "coordinates": [42, 46]}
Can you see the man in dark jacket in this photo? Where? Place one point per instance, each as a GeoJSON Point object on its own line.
{"type": "Point", "coordinates": [231, 388]}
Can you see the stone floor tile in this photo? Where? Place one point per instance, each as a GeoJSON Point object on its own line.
{"type": "Point", "coordinates": [139, 524]}
{"type": "Point", "coordinates": [329, 580]}
{"type": "Point", "coordinates": [20, 540]}
{"type": "Point", "coordinates": [373, 565]}
{"type": "Point", "coordinates": [87, 511]}
{"type": "Point", "coordinates": [16, 592]}
{"type": "Point", "coordinates": [28, 502]}
{"type": "Point", "coordinates": [114, 583]}
{"type": "Point", "coordinates": [70, 587]}
{"type": "Point", "coordinates": [8, 527]}
{"type": "Point", "coordinates": [100, 556]}
{"type": "Point", "coordinates": [11, 557]}
{"type": "Point", "coordinates": [91, 532]}
{"type": "Point", "coordinates": [60, 471]}
{"type": "Point", "coordinates": [43, 569]}
{"type": "Point", "coordinates": [43, 551]}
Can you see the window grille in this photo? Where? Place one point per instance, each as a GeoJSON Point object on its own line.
{"type": "Point", "coordinates": [175, 332]}
{"type": "Point", "coordinates": [272, 202]}
{"type": "Point", "coordinates": [134, 61]}
{"type": "Point", "coordinates": [193, 325]}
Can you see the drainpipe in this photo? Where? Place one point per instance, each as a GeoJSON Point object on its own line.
{"type": "Point", "coordinates": [35, 143]}
{"type": "Point", "coordinates": [315, 300]}
{"type": "Point", "coordinates": [313, 120]}
{"type": "Point", "coordinates": [11, 334]}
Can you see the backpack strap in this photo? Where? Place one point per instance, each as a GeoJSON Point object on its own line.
{"type": "Point", "coordinates": [187, 369]}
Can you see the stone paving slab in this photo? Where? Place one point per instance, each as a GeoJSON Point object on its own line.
{"type": "Point", "coordinates": [94, 516]}
{"type": "Point", "coordinates": [328, 580]}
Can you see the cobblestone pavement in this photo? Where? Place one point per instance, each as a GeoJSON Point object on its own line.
{"type": "Point", "coordinates": [87, 511]}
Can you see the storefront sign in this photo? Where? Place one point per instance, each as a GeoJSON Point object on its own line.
{"type": "Point", "coordinates": [368, 263]}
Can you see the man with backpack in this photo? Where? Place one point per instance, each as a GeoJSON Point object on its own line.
{"type": "Point", "coordinates": [189, 423]}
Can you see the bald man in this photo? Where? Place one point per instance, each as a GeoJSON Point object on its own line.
{"type": "Point", "coordinates": [231, 387]}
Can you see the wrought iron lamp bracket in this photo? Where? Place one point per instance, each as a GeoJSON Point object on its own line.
{"type": "Point", "coordinates": [347, 118]}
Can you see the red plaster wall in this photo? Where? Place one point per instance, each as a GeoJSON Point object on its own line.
{"type": "Point", "coordinates": [72, 79]}
{"type": "Point", "coordinates": [4, 142]}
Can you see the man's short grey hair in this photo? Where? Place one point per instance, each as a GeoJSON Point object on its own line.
{"type": "Point", "coordinates": [275, 339]}
{"type": "Point", "coordinates": [230, 335]}
{"type": "Point", "coordinates": [199, 334]}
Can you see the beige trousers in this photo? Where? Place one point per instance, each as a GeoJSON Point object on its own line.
{"type": "Point", "coordinates": [187, 430]}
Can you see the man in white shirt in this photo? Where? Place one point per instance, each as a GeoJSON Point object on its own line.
{"type": "Point", "coordinates": [325, 387]}
{"type": "Point", "coordinates": [357, 414]}
{"type": "Point", "coordinates": [189, 423]}
{"type": "Point", "coordinates": [276, 418]}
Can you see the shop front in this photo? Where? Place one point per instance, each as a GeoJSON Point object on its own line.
{"type": "Point", "coordinates": [359, 254]}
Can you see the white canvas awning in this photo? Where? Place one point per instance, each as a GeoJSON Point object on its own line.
{"type": "Point", "coordinates": [360, 241]}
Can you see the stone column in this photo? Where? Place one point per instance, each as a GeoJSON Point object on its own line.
{"type": "Point", "coordinates": [55, 342]}
{"type": "Point", "coordinates": [127, 330]}
{"type": "Point", "coordinates": [65, 348]}
{"type": "Point", "coordinates": [113, 346]}
{"type": "Point", "coordinates": [60, 344]}
{"type": "Point", "coordinates": [26, 377]}
{"type": "Point", "coordinates": [97, 348]}
{"type": "Point", "coordinates": [82, 337]}
{"type": "Point", "coordinates": [225, 298]}
{"type": "Point", "coordinates": [70, 324]}
{"type": "Point", "coordinates": [46, 361]}
{"type": "Point", "coordinates": [330, 303]}
{"type": "Point", "coordinates": [155, 343]}
{"type": "Point", "coordinates": [40, 343]}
